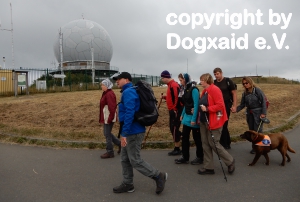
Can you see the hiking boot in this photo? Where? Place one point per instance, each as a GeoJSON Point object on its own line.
{"type": "Point", "coordinates": [107, 155]}
{"type": "Point", "coordinates": [231, 167]}
{"type": "Point", "coordinates": [181, 160]}
{"type": "Point", "coordinates": [203, 171]}
{"type": "Point", "coordinates": [175, 153]}
{"type": "Point", "coordinates": [160, 182]}
{"type": "Point", "coordinates": [119, 150]}
{"type": "Point", "coordinates": [124, 188]}
{"type": "Point", "coordinates": [197, 161]}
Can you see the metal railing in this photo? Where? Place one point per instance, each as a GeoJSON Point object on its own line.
{"type": "Point", "coordinates": [43, 80]}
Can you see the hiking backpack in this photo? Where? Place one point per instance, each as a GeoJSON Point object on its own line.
{"type": "Point", "coordinates": [148, 113]}
{"type": "Point", "coordinates": [265, 98]}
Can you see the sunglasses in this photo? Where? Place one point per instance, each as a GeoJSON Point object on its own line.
{"type": "Point", "coordinates": [246, 83]}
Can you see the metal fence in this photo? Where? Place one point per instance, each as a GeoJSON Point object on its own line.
{"type": "Point", "coordinates": [44, 80]}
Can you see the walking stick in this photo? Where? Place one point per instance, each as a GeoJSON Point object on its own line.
{"type": "Point", "coordinates": [144, 142]}
{"type": "Point", "coordinates": [212, 136]}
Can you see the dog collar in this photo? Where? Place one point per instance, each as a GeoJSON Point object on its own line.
{"type": "Point", "coordinates": [255, 138]}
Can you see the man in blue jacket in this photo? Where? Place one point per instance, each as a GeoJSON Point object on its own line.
{"type": "Point", "coordinates": [132, 135]}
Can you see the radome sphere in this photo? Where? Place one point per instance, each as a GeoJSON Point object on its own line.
{"type": "Point", "coordinates": [79, 37]}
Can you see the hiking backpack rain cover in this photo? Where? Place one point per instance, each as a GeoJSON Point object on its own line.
{"type": "Point", "coordinates": [147, 115]}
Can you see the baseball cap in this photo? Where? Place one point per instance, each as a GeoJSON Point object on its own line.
{"type": "Point", "coordinates": [124, 75]}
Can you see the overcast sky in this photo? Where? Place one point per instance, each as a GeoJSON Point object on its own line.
{"type": "Point", "coordinates": [138, 30]}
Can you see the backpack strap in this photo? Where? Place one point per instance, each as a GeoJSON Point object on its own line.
{"type": "Point", "coordinates": [254, 93]}
{"type": "Point", "coordinates": [228, 84]}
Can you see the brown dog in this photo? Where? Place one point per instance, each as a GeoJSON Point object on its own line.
{"type": "Point", "coordinates": [278, 141]}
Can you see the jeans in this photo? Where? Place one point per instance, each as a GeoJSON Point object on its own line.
{"type": "Point", "coordinates": [254, 122]}
{"type": "Point", "coordinates": [110, 138]}
{"type": "Point", "coordinates": [131, 158]}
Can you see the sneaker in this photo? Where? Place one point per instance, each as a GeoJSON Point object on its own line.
{"type": "Point", "coordinates": [160, 182]}
{"type": "Point", "coordinates": [124, 188]}
{"type": "Point", "coordinates": [231, 167]}
{"type": "Point", "coordinates": [175, 153]}
{"type": "Point", "coordinates": [203, 171]}
{"type": "Point", "coordinates": [197, 161]}
{"type": "Point", "coordinates": [107, 155]}
{"type": "Point", "coordinates": [181, 160]}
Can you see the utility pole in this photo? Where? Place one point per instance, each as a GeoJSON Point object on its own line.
{"type": "Point", "coordinates": [3, 62]}
{"type": "Point", "coordinates": [256, 70]}
{"type": "Point", "coordinates": [61, 56]}
{"type": "Point", "coordinates": [256, 75]}
{"type": "Point", "coordinates": [187, 65]}
{"type": "Point", "coordinates": [93, 66]}
{"type": "Point", "coordinates": [12, 37]}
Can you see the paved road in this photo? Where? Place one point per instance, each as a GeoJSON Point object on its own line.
{"type": "Point", "coordinates": [29, 173]}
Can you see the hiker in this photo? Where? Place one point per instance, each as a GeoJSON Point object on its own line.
{"type": "Point", "coordinates": [175, 109]}
{"type": "Point", "coordinates": [188, 118]}
{"type": "Point", "coordinates": [228, 89]}
{"type": "Point", "coordinates": [132, 135]}
{"type": "Point", "coordinates": [107, 116]}
{"type": "Point", "coordinates": [212, 117]}
{"type": "Point", "coordinates": [254, 99]}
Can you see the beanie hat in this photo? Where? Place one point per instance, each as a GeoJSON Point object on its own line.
{"type": "Point", "coordinates": [165, 74]}
{"type": "Point", "coordinates": [107, 83]}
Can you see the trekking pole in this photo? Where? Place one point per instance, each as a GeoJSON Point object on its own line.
{"type": "Point", "coordinates": [144, 142]}
{"type": "Point", "coordinates": [212, 136]}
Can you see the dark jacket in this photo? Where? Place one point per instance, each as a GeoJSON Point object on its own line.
{"type": "Point", "coordinates": [191, 100]}
{"type": "Point", "coordinates": [254, 101]}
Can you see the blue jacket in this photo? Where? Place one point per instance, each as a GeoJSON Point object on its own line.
{"type": "Point", "coordinates": [130, 103]}
{"type": "Point", "coordinates": [187, 119]}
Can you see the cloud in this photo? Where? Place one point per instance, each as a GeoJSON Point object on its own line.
{"type": "Point", "coordinates": [138, 30]}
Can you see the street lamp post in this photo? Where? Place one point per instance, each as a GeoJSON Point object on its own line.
{"type": "Point", "coordinates": [3, 62]}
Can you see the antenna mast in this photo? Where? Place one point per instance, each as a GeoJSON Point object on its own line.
{"type": "Point", "coordinates": [12, 37]}
{"type": "Point", "coordinates": [93, 66]}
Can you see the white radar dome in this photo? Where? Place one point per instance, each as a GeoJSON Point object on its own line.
{"type": "Point", "coordinates": [79, 37]}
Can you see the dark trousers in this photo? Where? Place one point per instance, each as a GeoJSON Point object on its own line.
{"type": "Point", "coordinates": [253, 120]}
{"type": "Point", "coordinates": [186, 142]}
{"type": "Point", "coordinates": [174, 124]}
{"type": "Point", "coordinates": [225, 136]}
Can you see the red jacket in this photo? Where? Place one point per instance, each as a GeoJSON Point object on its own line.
{"type": "Point", "coordinates": [172, 95]}
{"type": "Point", "coordinates": [215, 104]}
{"type": "Point", "coordinates": [108, 98]}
